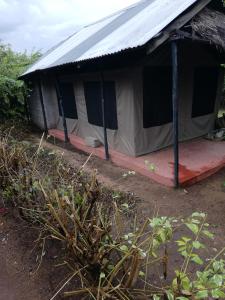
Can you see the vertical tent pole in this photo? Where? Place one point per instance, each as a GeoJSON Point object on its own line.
{"type": "Point", "coordinates": [174, 49]}
{"type": "Point", "coordinates": [42, 104]}
{"type": "Point", "coordinates": [103, 118]}
{"type": "Point", "coordinates": [59, 96]}
{"type": "Point", "coordinates": [26, 109]}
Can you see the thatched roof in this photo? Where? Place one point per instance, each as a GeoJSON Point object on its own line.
{"type": "Point", "coordinates": [210, 25]}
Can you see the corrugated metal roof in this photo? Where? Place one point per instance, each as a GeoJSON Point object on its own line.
{"type": "Point", "coordinates": [126, 29]}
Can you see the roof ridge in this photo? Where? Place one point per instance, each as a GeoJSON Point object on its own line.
{"type": "Point", "coordinates": [115, 13]}
{"type": "Point", "coordinates": [90, 24]}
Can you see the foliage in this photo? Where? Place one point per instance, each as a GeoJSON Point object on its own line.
{"type": "Point", "coordinates": [108, 259]}
{"type": "Point", "coordinates": [13, 91]}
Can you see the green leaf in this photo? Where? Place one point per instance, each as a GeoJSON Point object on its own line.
{"type": "Point", "coordinates": [174, 284]}
{"type": "Point", "coordinates": [218, 265]}
{"type": "Point", "coordinates": [186, 239]}
{"type": "Point", "coordinates": [208, 234]}
{"type": "Point", "coordinates": [218, 280]}
{"type": "Point", "coordinates": [198, 214]}
{"type": "Point", "coordinates": [110, 267]}
{"type": "Point", "coordinates": [202, 294]}
{"type": "Point", "coordinates": [198, 245]}
{"type": "Point", "coordinates": [181, 249]}
{"type": "Point", "coordinates": [125, 205]}
{"type": "Point", "coordinates": [155, 244]}
{"type": "Point", "coordinates": [170, 295]}
{"type": "Point", "coordinates": [124, 248]}
{"type": "Point", "coordinates": [218, 294]}
{"type": "Point", "coordinates": [193, 227]}
{"type": "Point", "coordinates": [156, 297]}
{"type": "Point", "coordinates": [195, 221]}
{"type": "Point", "coordinates": [162, 236]}
{"type": "Point", "coordinates": [186, 284]}
{"type": "Point", "coordinates": [180, 243]}
{"type": "Point", "coordinates": [142, 274]}
{"type": "Point", "coordinates": [182, 298]}
{"type": "Point", "coordinates": [184, 253]}
{"type": "Point", "coordinates": [102, 275]}
{"type": "Point", "coordinates": [197, 260]}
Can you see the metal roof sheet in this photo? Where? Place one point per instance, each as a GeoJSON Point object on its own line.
{"type": "Point", "coordinates": [126, 29]}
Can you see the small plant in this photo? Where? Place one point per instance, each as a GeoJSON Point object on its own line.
{"type": "Point", "coordinates": [210, 281]}
{"type": "Point", "coordinates": [151, 167]}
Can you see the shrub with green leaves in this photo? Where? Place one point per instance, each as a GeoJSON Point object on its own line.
{"type": "Point", "coordinates": [209, 280]}
{"type": "Point", "coordinates": [13, 91]}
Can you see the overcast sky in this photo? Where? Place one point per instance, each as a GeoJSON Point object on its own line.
{"type": "Point", "coordinates": [40, 24]}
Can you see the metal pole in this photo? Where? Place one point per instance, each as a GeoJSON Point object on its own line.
{"type": "Point", "coordinates": [175, 100]}
{"type": "Point", "coordinates": [42, 104]}
{"type": "Point", "coordinates": [103, 119]}
{"type": "Point", "coordinates": [59, 96]}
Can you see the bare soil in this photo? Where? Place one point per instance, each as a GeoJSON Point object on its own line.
{"type": "Point", "coordinates": [18, 280]}
{"type": "Point", "coordinates": [23, 274]}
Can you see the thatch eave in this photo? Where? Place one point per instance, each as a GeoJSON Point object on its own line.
{"type": "Point", "coordinates": [210, 26]}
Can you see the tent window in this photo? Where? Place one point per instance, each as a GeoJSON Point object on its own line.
{"type": "Point", "coordinates": [205, 90]}
{"type": "Point", "coordinates": [157, 96]}
{"type": "Point", "coordinates": [93, 99]}
{"type": "Point", "coordinates": [68, 100]}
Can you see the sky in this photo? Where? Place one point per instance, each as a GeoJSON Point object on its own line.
{"type": "Point", "coordinates": [40, 24]}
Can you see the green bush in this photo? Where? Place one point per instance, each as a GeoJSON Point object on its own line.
{"type": "Point", "coordinates": [13, 92]}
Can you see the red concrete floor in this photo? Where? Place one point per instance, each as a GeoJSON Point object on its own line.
{"type": "Point", "coordinates": [199, 158]}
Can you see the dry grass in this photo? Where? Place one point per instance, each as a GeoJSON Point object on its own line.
{"type": "Point", "coordinates": [105, 258]}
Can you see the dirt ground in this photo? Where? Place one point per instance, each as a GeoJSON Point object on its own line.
{"type": "Point", "coordinates": [22, 277]}
{"type": "Point", "coordinates": [16, 265]}
{"type": "Point", "coordinates": [18, 262]}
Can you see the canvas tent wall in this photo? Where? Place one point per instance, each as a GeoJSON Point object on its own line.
{"type": "Point", "coordinates": [191, 58]}
{"type": "Point", "coordinates": [120, 139]}
{"type": "Point", "coordinates": [131, 137]}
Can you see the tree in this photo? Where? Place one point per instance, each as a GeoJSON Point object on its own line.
{"type": "Point", "coordinates": [12, 90]}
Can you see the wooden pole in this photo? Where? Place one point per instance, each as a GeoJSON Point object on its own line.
{"type": "Point", "coordinates": [26, 109]}
{"type": "Point", "coordinates": [174, 50]}
{"type": "Point", "coordinates": [42, 104]}
{"type": "Point", "coordinates": [59, 96]}
{"type": "Point", "coordinates": [103, 119]}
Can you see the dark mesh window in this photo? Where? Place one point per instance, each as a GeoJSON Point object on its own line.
{"type": "Point", "coordinates": [157, 96]}
{"type": "Point", "coordinates": [68, 100]}
{"type": "Point", "coordinates": [94, 103]}
{"type": "Point", "coordinates": [205, 89]}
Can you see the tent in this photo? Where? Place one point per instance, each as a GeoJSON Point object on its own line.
{"type": "Point", "coordinates": [137, 81]}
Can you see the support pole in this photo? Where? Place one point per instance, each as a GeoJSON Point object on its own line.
{"type": "Point", "coordinates": [59, 96]}
{"type": "Point", "coordinates": [26, 109]}
{"type": "Point", "coordinates": [103, 118]}
{"type": "Point", "coordinates": [42, 104]}
{"type": "Point", "coordinates": [174, 50]}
